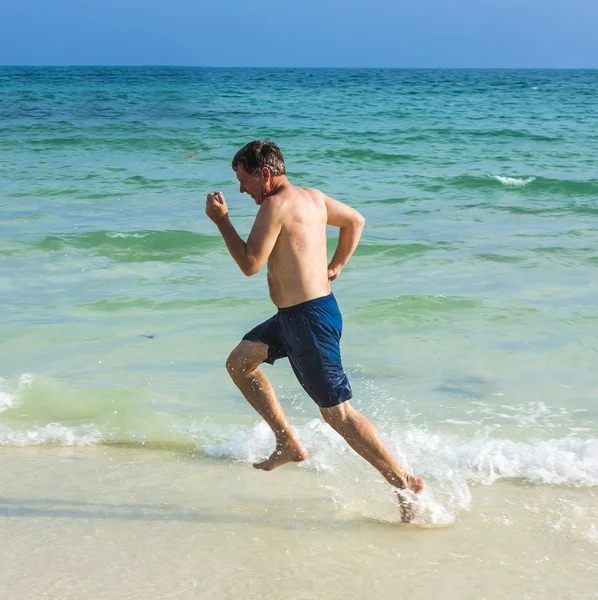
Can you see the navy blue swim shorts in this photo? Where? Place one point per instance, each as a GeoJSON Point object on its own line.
{"type": "Point", "coordinates": [309, 334]}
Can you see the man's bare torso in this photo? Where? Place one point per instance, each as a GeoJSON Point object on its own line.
{"type": "Point", "coordinates": [298, 265]}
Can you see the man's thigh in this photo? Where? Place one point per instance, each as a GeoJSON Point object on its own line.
{"type": "Point", "coordinates": [247, 356]}
{"type": "Point", "coordinates": [268, 333]}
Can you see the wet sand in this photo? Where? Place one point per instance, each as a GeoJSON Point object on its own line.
{"type": "Point", "coordinates": [106, 523]}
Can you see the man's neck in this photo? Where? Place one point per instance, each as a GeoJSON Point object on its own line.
{"type": "Point", "coordinates": [277, 184]}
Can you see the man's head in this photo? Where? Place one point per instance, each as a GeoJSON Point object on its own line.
{"type": "Point", "coordinates": [256, 164]}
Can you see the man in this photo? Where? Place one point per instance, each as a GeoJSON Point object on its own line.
{"type": "Point", "coordinates": [289, 233]}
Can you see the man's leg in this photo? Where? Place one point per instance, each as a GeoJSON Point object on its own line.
{"type": "Point", "coordinates": [242, 365]}
{"type": "Point", "coordinates": [364, 438]}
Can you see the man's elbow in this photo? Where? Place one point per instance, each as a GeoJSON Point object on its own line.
{"type": "Point", "coordinates": [251, 267]}
{"type": "Point", "coordinates": [354, 224]}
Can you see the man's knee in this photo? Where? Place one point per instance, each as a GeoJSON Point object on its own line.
{"type": "Point", "coordinates": [336, 416]}
{"type": "Point", "coordinates": [234, 362]}
{"type": "Point", "coordinates": [246, 357]}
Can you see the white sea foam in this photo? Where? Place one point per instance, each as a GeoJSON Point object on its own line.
{"type": "Point", "coordinates": [119, 234]}
{"type": "Point", "coordinates": [440, 457]}
{"type": "Point", "coordinates": [479, 459]}
{"type": "Point", "coordinates": [10, 396]}
{"type": "Point", "coordinates": [6, 401]}
{"type": "Point", "coordinates": [52, 433]}
{"type": "Point", "coordinates": [513, 180]}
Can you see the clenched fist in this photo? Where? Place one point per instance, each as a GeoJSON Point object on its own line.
{"type": "Point", "coordinates": [216, 207]}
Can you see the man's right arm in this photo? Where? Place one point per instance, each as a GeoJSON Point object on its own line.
{"type": "Point", "coordinates": [250, 255]}
{"type": "Point", "coordinates": [351, 225]}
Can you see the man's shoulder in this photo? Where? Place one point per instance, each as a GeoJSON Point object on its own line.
{"type": "Point", "coordinates": [294, 190]}
{"type": "Point", "coordinates": [273, 206]}
{"type": "Point", "coordinates": [288, 194]}
{"type": "Point", "coordinates": [314, 192]}
{"type": "Point", "coordinates": [292, 197]}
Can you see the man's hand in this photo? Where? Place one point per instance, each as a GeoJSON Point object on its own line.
{"type": "Point", "coordinates": [333, 272]}
{"type": "Point", "coordinates": [216, 207]}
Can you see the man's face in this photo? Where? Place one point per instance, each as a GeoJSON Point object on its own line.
{"type": "Point", "coordinates": [251, 184]}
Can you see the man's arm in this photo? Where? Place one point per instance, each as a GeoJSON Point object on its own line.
{"type": "Point", "coordinates": [252, 255]}
{"type": "Point", "coordinates": [351, 225]}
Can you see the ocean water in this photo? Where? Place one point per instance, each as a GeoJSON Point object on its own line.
{"type": "Point", "coordinates": [470, 306]}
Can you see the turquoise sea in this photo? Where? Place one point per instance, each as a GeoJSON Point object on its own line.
{"type": "Point", "coordinates": [470, 306]}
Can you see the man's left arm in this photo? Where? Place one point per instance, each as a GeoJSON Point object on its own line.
{"type": "Point", "coordinates": [351, 224]}
{"type": "Point", "coordinates": [251, 255]}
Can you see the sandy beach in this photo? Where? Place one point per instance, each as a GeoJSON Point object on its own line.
{"type": "Point", "coordinates": [120, 523]}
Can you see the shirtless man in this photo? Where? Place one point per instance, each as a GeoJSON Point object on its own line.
{"type": "Point", "coordinates": [290, 233]}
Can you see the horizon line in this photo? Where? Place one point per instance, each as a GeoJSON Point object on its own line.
{"type": "Point", "coordinates": [150, 66]}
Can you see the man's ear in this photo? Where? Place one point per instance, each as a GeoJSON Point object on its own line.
{"type": "Point", "coordinates": [266, 175]}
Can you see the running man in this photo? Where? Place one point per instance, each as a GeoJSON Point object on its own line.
{"type": "Point", "coordinates": [289, 233]}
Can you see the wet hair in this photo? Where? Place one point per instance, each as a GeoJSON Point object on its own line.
{"type": "Point", "coordinates": [256, 155]}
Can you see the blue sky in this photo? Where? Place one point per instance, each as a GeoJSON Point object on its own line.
{"type": "Point", "coordinates": [303, 33]}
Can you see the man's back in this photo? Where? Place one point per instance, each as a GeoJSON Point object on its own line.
{"type": "Point", "coordinates": [298, 265]}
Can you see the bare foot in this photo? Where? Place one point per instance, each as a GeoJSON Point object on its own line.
{"type": "Point", "coordinates": [407, 501]}
{"type": "Point", "coordinates": [281, 456]}
{"type": "Point", "coordinates": [416, 485]}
